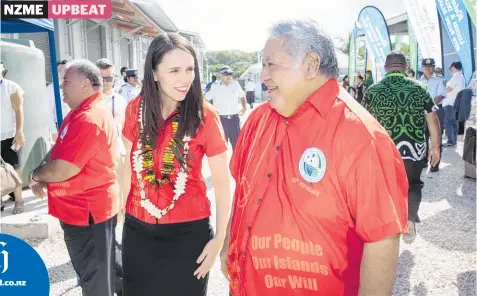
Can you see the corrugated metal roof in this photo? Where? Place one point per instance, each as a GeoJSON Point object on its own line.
{"type": "Point", "coordinates": [156, 14]}
{"type": "Point", "coordinates": [196, 39]}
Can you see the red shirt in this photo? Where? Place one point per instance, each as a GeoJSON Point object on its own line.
{"type": "Point", "coordinates": [193, 204]}
{"type": "Point", "coordinates": [311, 190]}
{"type": "Point", "coordinates": [86, 139]}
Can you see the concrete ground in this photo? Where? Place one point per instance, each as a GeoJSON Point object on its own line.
{"type": "Point", "coordinates": [441, 262]}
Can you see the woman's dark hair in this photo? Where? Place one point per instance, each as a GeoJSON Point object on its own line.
{"type": "Point", "coordinates": [360, 76]}
{"type": "Point", "coordinates": [345, 77]}
{"type": "Point", "coordinates": [191, 108]}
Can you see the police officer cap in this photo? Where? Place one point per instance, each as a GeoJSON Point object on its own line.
{"type": "Point", "coordinates": [131, 73]}
{"type": "Point", "coordinates": [428, 62]}
{"type": "Point", "coordinates": [225, 70]}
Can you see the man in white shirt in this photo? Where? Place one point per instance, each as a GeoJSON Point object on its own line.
{"type": "Point", "coordinates": [11, 128]}
{"type": "Point", "coordinates": [50, 96]}
{"type": "Point", "coordinates": [117, 104]}
{"type": "Point", "coordinates": [250, 92]}
{"type": "Point", "coordinates": [132, 88]}
{"type": "Point", "coordinates": [454, 86]}
{"type": "Point", "coordinates": [225, 96]}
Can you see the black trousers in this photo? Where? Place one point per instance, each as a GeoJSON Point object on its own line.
{"type": "Point", "coordinates": [160, 259]}
{"type": "Point", "coordinates": [413, 172]}
{"type": "Point", "coordinates": [92, 252]}
{"type": "Point", "coordinates": [231, 125]}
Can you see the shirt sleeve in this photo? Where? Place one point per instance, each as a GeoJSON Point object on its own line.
{"type": "Point", "coordinates": [376, 190]}
{"type": "Point", "coordinates": [130, 129]}
{"type": "Point", "coordinates": [429, 105]}
{"type": "Point", "coordinates": [452, 82]}
{"type": "Point", "coordinates": [214, 134]}
{"type": "Point", "coordinates": [81, 142]}
{"type": "Point", "coordinates": [209, 96]}
{"type": "Point", "coordinates": [13, 87]}
{"type": "Point", "coordinates": [441, 89]}
{"type": "Point", "coordinates": [240, 91]}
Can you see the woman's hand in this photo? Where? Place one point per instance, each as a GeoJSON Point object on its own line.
{"type": "Point", "coordinates": [207, 258]}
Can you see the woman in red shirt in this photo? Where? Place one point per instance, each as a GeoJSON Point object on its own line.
{"type": "Point", "coordinates": [168, 243]}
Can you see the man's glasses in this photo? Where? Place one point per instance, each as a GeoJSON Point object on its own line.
{"type": "Point", "coordinates": [108, 79]}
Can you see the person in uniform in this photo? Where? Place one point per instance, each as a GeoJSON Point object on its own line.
{"type": "Point", "coordinates": [437, 90]}
{"type": "Point", "coordinates": [79, 172]}
{"type": "Point", "coordinates": [131, 88]}
{"type": "Point", "coordinates": [321, 191]}
{"type": "Point", "coordinates": [403, 106]}
{"type": "Point", "coordinates": [117, 105]}
{"type": "Point", "coordinates": [225, 95]}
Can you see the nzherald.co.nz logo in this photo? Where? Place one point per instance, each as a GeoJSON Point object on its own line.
{"type": "Point", "coordinates": [56, 9]}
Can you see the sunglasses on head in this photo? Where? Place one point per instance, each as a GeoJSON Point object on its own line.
{"type": "Point", "coordinates": [108, 78]}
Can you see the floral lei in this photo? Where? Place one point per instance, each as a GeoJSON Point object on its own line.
{"type": "Point", "coordinates": [143, 161]}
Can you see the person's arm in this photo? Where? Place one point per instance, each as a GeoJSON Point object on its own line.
{"type": "Point", "coordinates": [17, 104]}
{"type": "Point", "coordinates": [55, 171]}
{"type": "Point", "coordinates": [81, 142]}
{"type": "Point", "coordinates": [376, 191]}
{"type": "Point", "coordinates": [242, 97]}
{"type": "Point", "coordinates": [435, 133]}
{"type": "Point", "coordinates": [378, 267]}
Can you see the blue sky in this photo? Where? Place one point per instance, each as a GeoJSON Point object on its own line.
{"type": "Point", "coordinates": [242, 24]}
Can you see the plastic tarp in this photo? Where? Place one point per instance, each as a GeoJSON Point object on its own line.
{"type": "Point", "coordinates": [34, 26]}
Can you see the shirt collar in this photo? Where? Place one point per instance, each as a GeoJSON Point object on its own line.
{"type": "Point", "coordinates": [324, 97]}
{"type": "Point", "coordinates": [90, 101]}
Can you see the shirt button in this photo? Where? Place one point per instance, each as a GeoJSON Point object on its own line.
{"type": "Point", "coordinates": [244, 255]}
{"type": "Point", "coordinates": [259, 201]}
{"type": "Point", "coordinates": [269, 175]}
{"type": "Point", "coordinates": [278, 148]}
{"type": "Point", "coordinates": [249, 228]}
{"type": "Point", "coordinates": [286, 122]}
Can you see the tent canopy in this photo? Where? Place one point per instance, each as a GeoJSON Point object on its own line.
{"type": "Point", "coordinates": [27, 25]}
{"type": "Point", "coordinates": [36, 26]}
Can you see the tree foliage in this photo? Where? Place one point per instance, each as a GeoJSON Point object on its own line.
{"type": "Point", "coordinates": [238, 61]}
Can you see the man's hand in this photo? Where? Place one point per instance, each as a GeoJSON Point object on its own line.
{"type": "Point", "coordinates": [19, 139]}
{"type": "Point", "coordinates": [242, 112]}
{"type": "Point", "coordinates": [39, 190]}
{"type": "Point", "coordinates": [434, 155]}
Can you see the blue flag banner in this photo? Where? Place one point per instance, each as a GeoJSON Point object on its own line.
{"type": "Point", "coordinates": [378, 42]}
{"type": "Point", "coordinates": [456, 22]}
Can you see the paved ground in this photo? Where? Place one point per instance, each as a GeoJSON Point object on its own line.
{"type": "Point", "coordinates": [441, 262]}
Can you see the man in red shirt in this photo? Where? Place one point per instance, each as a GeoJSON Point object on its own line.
{"type": "Point", "coordinates": [79, 173]}
{"type": "Point", "coordinates": [321, 190]}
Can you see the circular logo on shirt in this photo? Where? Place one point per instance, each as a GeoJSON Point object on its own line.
{"type": "Point", "coordinates": [63, 133]}
{"type": "Point", "coordinates": [15, 278]}
{"type": "Point", "coordinates": [312, 165]}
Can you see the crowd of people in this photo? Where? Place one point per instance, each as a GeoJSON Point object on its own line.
{"type": "Point", "coordinates": [137, 155]}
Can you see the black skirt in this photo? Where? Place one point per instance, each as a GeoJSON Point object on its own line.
{"type": "Point", "coordinates": [160, 259]}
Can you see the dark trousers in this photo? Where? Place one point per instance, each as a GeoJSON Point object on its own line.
{"type": "Point", "coordinates": [231, 125]}
{"type": "Point", "coordinates": [92, 253]}
{"type": "Point", "coordinates": [250, 98]}
{"type": "Point", "coordinates": [451, 125]}
{"type": "Point", "coordinates": [440, 116]}
{"type": "Point", "coordinates": [413, 172]}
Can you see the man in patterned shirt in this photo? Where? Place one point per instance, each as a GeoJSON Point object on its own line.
{"type": "Point", "coordinates": [403, 106]}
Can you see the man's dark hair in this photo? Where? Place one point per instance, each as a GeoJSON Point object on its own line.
{"type": "Point", "coordinates": [214, 78]}
{"type": "Point", "coordinates": [104, 64]}
{"type": "Point", "coordinates": [360, 76]}
{"type": "Point", "coordinates": [457, 65]}
{"type": "Point", "coordinates": [5, 71]}
{"type": "Point", "coordinates": [412, 72]}
{"type": "Point", "coordinates": [62, 62]}
{"type": "Point", "coordinates": [369, 72]}
{"type": "Point", "coordinates": [123, 69]}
